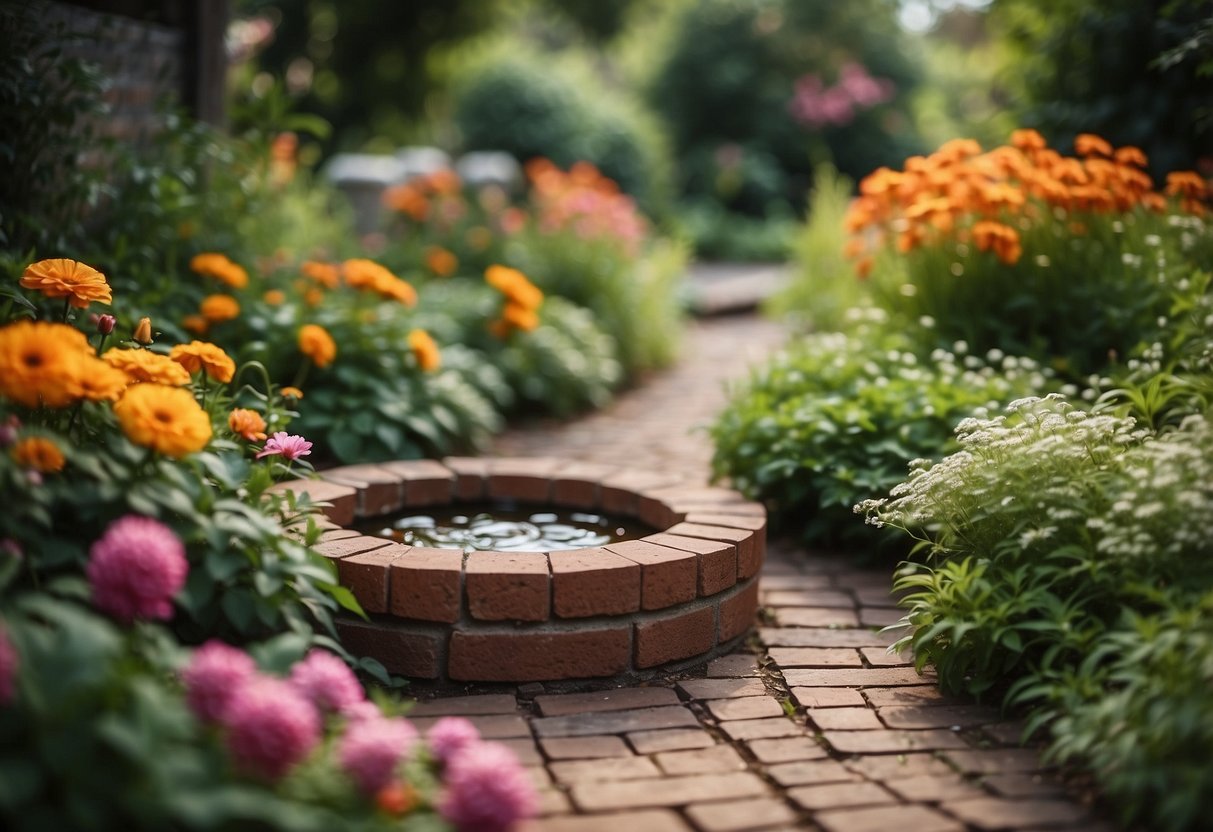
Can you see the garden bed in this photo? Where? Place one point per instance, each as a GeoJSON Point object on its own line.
{"type": "Point", "coordinates": [668, 600]}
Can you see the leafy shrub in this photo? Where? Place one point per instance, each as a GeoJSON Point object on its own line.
{"type": "Point", "coordinates": [1001, 248]}
{"type": "Point", "coordinates": [837, 418]}
{"type": "Point", "coordinates": [717, 234]}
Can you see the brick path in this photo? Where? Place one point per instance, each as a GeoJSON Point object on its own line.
{"type": "Point", "coordinates": [813, 725]}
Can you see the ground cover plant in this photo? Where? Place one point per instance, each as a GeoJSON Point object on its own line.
{"type": "Point", "coordinates": [167, 652]}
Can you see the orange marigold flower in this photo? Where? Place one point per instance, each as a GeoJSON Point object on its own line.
{"type": "Point", "coordinates": [147, 366]}
{"type": "Point", "coordinates": [143, 331]}
{"type": "Point", "coordinates": [520, 317]}
{"type": "Point", "coordinates": [201, 355]}
{"type": "Point", "coordinates": [445, 182]}
{"type": "Point", "coordinates": [99, 381]}
{"type": "Point", "coordinates": [1129, 155]}
{"type": "Point", "coordinates": [440, 261]}
{"type": "Point", "coordinates": [1089, 144]}
{"type": "Point", "coordinates": [221, 268]}
{"type": "Point", "coordinates": [408, 200]}
{"type": "Point", "coordinates": [1155, 202]}
{"type": "Point", "coordinates": [327, 275]}
{"type": "Point", "coordinates": [425, 350]}
{"type": "Point", "coordinates": [165, 419]}
{"type": "Point", "coordinates": [515, 286]}
{"type": "Point", "coordinates": [1027, 139]}
{"type": "Point", "coordinates": [247, 423]}
{"type": "Point", "coordinates": [38, 453]}
{"type": "Point", "coordinates": [367, 274]}
{"type": "Point", "coordinates": [316, 343]}
{"type": "Point", "coordinates": [195, 324]}
{"type": "Point", "coordinates": [40, 363]}
{"type": "Point", "coordinates": [399, 290]}
{"type": "Point", "coordinates": [274, 297]}
{"type": "Point", "coordinates": [1002, 239]}
{"type": "Point", "coordinates": [217, 308]}
{"type": "Point", "coordinates": [313, 296]}
{"type": "Point", "coordinates": [291, 393]}
{"type": "Point", "coordinates": [1186, 183]}
{"type": "Point", "coordinates": [81, 284]}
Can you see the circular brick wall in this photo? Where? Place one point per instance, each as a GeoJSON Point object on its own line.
{"type": "Point", "coordinates": [667, 600]}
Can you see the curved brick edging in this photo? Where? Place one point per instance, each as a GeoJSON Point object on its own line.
{"type": "Point", "coordinates": [673, 598]}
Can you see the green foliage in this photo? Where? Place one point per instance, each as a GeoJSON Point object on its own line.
{"type": "Point", "coordinates": [715, 233]}
{"type": "Point", "coordinates": [838, 417]}
{"type": "Point", "coordinates": [1082, 66]}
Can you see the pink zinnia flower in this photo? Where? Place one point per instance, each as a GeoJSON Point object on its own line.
{"type": "Point", "coordinates": [270, 727]}
{"type": "Point", "coordinates": [371, 750]}
{"type": "Point", "coordinates": [487, 789]}
{"type": "Point", "coordinates": [327, 682]}
{"type": "Point", "coordinates": [450, 735]}
{"type": "Point", "coordinates": [9, 662]}
{"type": "Point", "coordinates": [135, 568]}
{"type": "Point", "coordinates": [287, 445]}
{"type": "Point", "coordinates": [214, 674]}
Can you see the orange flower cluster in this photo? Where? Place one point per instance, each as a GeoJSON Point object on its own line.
{"type": "Point", "coordinates": [522, 300]}
{"type": "Point", "coordinates": [584, 201]}
{"type": "Point", "coordinates": [52, 365]}
{"type": "Point", "coordinates": [200, 355]}
{"type": "Point", "coordinates": [218, 266]}
{"type": "Point", "coordinates": [440, 261]}
{"type": "Point", "coordinates": [962, 193]}
{"type": "Point", "coordinates": [327, 275]}
{"type": "Point", "coordinates": [414, 197]}
{"type": "Point", "coordinates": [369, 275]}
{"type": "Point", "coordinates": [316, 343]}
{"type": "Point", "coordinates": [425, 350]}
{"type": "Point", "coordinates": [247, 423]}
{"type": "Point", "coordinates": [81, 284]}
{"type": "Point", "coordinates": [39, 454]}
{"type": "Point", "coordinates": [147, 366]}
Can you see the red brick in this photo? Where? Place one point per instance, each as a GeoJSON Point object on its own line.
{"type": "Point", "coordinates": [401, 650]}
{"type": "Point", "coordinates": [482, 705]}
{"type": "Point", "coordinates": [761, 729]}
{"type": "Point", "coordinates": [810, 772]}
{"type": "Point", "coordinates": [845, 719]}
{"type": "Point", "coordinates": [656, 513]}
{"type": "Point", "coordinates": [946, 716]}
{"type": "Point", "coordinates": [717, 759]}
{"type": "Point", "coordinates": [336, 533]}
{"type": "Point", "coordinates": [366, 575]}
{"type": "Point", "coordinates": [576, 484]}
{"type": "Point", "coordinates": [836, 795]}
{"type": "Point", "coordinates": [652, 820]}
{"type": "Point", "coordinates": [513, 586]}
{"type": "Point", "coordinates": [846, 677]}
{"type": "Point", "coordinates": [740, 815]}
{"type": "Point", "coordinates": [471, 475]}
{"type": "Point", "coordinates": [746, 707]}
{"type": "Point", "coordinates": [899, 766]}
{"type": "Point", "coordinates": [1022, 785]}
{"type": "Point", "coordinates": [344, 547]}
{"type": "Point", "coordinates": [616, 722]}
{"type": "Point", "coordinates": [584, 748]}
{"type": "Point", "coordinates": [667, 576]}
{"type": "Point", "coordinates": [521, 479]}
{"type": "Point", "coordinates": [823, 637]}
{"type": "Point", "coordinates": [996, 761]}
{"type": "Point", "coordinates": [806, 598]}
{"type": "Point", "coordinates": [816, 617]}
{"type": "Point", "coordinates": [379, 491]}
{"type": "Point", "coordinates": [751, 545]}
{"type": "Point", "coordinates": [717, 561]}
{"type": "Point", "coordinates": [884, 818]}
{"type": "Point", "coordinates": [342, 500]}
{"type": "Point", "coordinates": [1004, 813]}
{"type": "Point", "coordinates": [608, 768]}
{"type": "Point", "coordinates": [703, 494]}
{"type": "Point", "coordinates": [735, 665]}
{"type": "Point", "coordinates": [815, 657]}
{"type": "Point", "coordinates": [891, 742]}
{"type": "Point", "coordinates": [666, 791]}
{"type": "Point", "coordinates": [828, 697]}
{"type": "Point", "coordinates": [786, 750]}
{"type": "Point", "coordinates": [425, 584]}
{"type": "Point", "coordinates": [673, 637]}
{"type": "Point", "coordinates": [532, 656]}
{"type": "Point", "coordinates": [424, 481]}
{"type": "Point", "coordinates": [620, 699]}
{"type": "Point", "coordinates": [732, 521]}
{"type": "Point", "coordinates": [619, 492]}
{"type": "Point", "coordinates": [737, 612]}
{"type": "Point", "coordinates": [676, 739]}
{"type": "Point", "coordinates": [588, 582]}
{"type": "Point", "coordinates": [527, 752]}
{"type": "Point", "coordinates": [490, 726]}
{"type": "Point", "coordinates": [934, 789]}
{"type": "Point", "coordinates": [907, 695]}
{"type": "Point", "coordinates": [732, 510]}
{"type": "Point", "coordinates": [877, 657]}
{"type": "Point", "coordinates": [722, 688]}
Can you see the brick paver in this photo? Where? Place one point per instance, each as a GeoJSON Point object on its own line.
{"type": "Point", "coordinates": [871, 745]}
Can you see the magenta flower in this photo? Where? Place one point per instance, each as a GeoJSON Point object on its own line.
{"type": "Point", "coordinates": [487, 789]}
{"type": "Point", "coordinates": [270, 727]}
{"type": "Point", "coordinates": [287, 445]}
{"type": "Point", "coordinates": [450, 735]}
{"type": "Point", "coordinates": [371, 750]}
{"type": "Point", "coordinates": [135, 568]}
{"type": "Point", "coordinates": [214, 674]}
{"type": "Point", "coordinates": [327, 682]}
{"type": "Point", "coordinates": [9, 663]}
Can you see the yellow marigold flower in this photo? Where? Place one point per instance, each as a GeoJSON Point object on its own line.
{"type": "Point", "coordinates": [81, 284]}
{"type": "Point", "coordinates": [195, 324]}
{"type": "Point", "coordinates": [520, 317]}
{"type": "Point", "coordinates": [291, 393]}
{"type": "Point", "coordinates": [316, 343]}
{"type": "Point", "coordinates": [99, 381]}
{"type": "Point", "coordinates": [1089, 144]}
{"type": "Point", "coordinates": [38, 453]}
{"type": "Point", "coordinates": [143, 332]}
{"type": "Point", "coordinates": [247, 423]}
{"type": "Point", "coordinates": [201, 355]}
{"type": "Point", "coordinates": [274, 297]}
{"type": "Point", "coordinates": [326, 274]}
{"type": "Point", "coordinates": [147, 366]}
{"type": "Point", "coordinates": [221, 268]}
{"type": "Point", "coordinates": [165, 419]}
{"type": "Point", "coordinates": [515, 286]}
{"type": "Point", "coordinates": [216, 308]}
{"type": "Point", "coordinates": [401, 291]}
{"type": "Point", "coordinates": [1130, 155]}
{"type": "Point", "coordinates": [367, 274]}
{"type": "Point", "coordinates": [440, 261]}
{"type": "Point", "coordinates": [425, 350]}
{"type": "Point", "coordinates": [40, 363]}
{"type": "Point", "coordinates": [1028, 139]}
